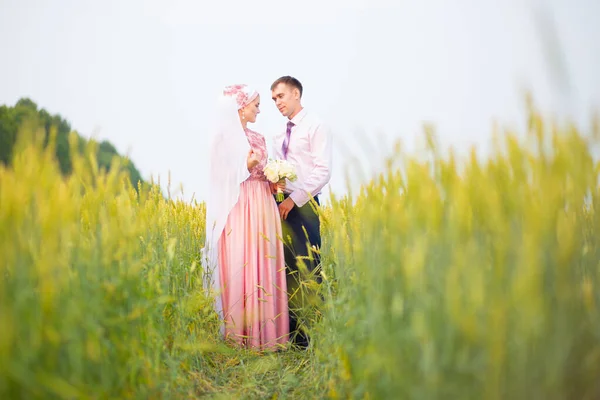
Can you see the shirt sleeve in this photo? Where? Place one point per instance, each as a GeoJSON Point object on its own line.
{"type": "Point", "coordinates": [321, 150]}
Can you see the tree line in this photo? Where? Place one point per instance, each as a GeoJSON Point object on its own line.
{"type": "Point", "coordinates": [12, 118]}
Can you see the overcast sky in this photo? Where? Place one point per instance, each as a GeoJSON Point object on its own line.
{"type": "Point", "coordinates": [144, 74]}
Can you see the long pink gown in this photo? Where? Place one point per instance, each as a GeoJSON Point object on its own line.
{"type": "Point", "coordinates": [251, 258]}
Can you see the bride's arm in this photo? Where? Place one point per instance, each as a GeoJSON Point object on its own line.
{"type": "Point", "coordinates": [252, 160]}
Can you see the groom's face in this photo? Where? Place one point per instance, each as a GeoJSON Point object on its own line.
{"type": "Point", "coordinates": [286, 98]}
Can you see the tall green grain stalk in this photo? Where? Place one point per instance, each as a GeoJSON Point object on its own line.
{"type": "Point", "coordinates": [100, 287]}
{"type": "Point", "coordinates": [467, 280]}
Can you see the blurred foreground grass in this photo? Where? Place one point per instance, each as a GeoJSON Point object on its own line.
{"type": "Point", "coordinates": [443, 279]}
{"type": "Point", "coordinates": [100, 295]}
{"type": "Point", "coordinates": [469, 280]}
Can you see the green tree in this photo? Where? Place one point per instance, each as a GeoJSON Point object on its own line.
{"type": "Point", "coordinates": [11, 118]}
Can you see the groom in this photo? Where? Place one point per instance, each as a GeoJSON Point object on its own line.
{"type": "Point", "coordinates": [306, 143]}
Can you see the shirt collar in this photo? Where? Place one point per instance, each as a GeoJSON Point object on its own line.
{"type": "Point", "coordinates": [298, 117]}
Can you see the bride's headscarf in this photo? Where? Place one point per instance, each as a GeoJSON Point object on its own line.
{"type": "Point", "coordinates": [228, 151]}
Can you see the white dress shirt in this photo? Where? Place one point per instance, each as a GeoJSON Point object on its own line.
{"type": "Point", "coordinates": [310, 151]}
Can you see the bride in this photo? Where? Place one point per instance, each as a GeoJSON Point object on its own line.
{"type": "Point", "coordinates": [243, 248]}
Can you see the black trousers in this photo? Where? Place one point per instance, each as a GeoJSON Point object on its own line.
{"type": "Point", "coordinates": [301, 233]}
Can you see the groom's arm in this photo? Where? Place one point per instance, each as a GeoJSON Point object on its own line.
{"type": "Point", "coordinates": [321, 152]}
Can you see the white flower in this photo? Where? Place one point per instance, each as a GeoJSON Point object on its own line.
{"type": "Point", "coordinates": [288, 171]}
{"type": "Point", "coordinates": [276, 170]}
{"type": "Point", "coordinates": [271, 173]}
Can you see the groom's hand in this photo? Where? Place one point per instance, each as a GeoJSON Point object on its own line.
{"type": "Point", "coordinates": [285, 207]}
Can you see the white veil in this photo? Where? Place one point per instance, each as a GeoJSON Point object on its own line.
{"type": "Point", "coordinates": [227, 169]}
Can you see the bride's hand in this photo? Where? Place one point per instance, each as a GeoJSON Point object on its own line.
{"type": "Point", "coordinates": [252, 160]}
{"type": "Point", "coordinates": [280, 185]}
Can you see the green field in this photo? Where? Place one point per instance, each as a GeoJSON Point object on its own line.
{"type": "Point", "coordinates": [444, 278]}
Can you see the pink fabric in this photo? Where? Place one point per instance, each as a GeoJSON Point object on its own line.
{"type": "Point", "coordinates": [254, 292]}
{"type": "Point", "coordinates": [242, 93]}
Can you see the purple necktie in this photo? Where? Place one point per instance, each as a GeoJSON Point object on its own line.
{"type": "Point", "coordinates": [286, 141]}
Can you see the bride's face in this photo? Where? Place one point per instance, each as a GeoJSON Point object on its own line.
{"type": "Point", "coordinates": [252, 110]}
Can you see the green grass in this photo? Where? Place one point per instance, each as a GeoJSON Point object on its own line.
{"type": "Point", "coordinates": [247, 375]}
{"type": "Point", "coordinates": [443, 278]}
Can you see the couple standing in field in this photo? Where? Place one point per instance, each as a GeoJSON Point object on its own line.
{"type": "Point", "coordinates": [254, 245]}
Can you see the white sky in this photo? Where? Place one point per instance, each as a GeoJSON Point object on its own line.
{"type": "Point", "coordinates": [144, 74]}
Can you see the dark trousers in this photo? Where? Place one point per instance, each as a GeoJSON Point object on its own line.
{"type": "Point", "coordinates": [301, 231]}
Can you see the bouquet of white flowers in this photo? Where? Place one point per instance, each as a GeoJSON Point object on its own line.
{"type": "Point", "coordinates": [277, 170]}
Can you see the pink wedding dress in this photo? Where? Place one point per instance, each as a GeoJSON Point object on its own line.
{"type": "Point", "coordinates": [253, 276]}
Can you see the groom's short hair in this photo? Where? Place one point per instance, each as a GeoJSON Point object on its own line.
{"type": "Point", "coordinates": [288, 80]}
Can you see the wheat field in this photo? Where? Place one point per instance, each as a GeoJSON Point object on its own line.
{"type": "Point", "coordinates": [443, 278]}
